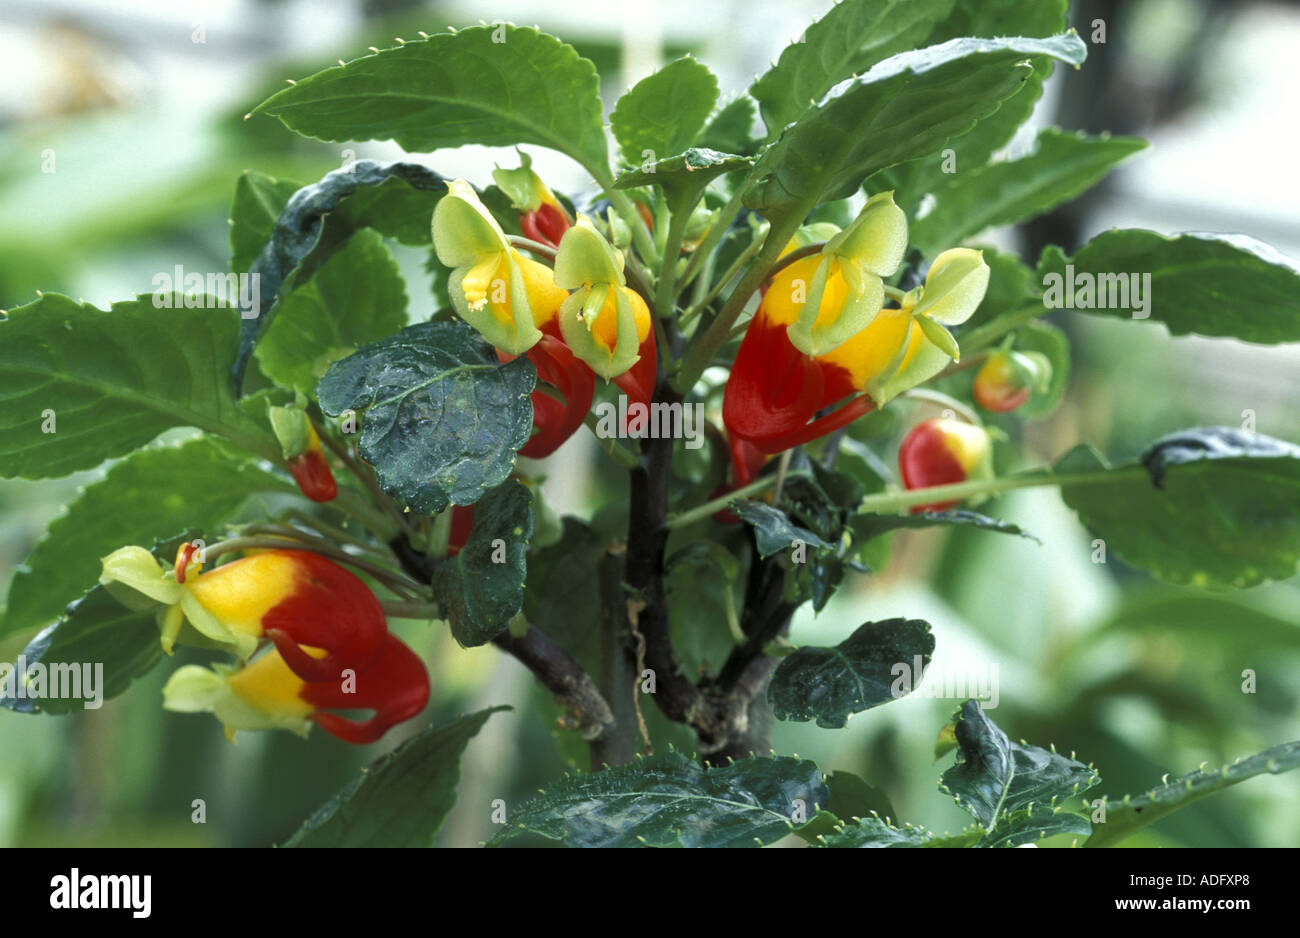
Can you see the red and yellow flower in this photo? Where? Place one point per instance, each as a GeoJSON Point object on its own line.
{"type": "Point", "coordinates": [267, 694]}
{"type": "Point", "coordinates": [514, 303]}
{"type": "Point", "coordinates": [822, 334]}
{"type": "Point", "coordinates": [294, 598]}
{"type": "Point", "coordinates": [1006, 379]}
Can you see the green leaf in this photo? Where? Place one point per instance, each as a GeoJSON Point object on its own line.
{"type": "Point", "coordinates": [443, 418]}
{"type": "Point", "coordinates": [148, 495]}
{"type": "Point", "coordinates": [663, 113]}
{"type": "Point", "coordinates": [773, 530]}
{"type": "Point", "coordinates": [1218, 285]}
{"type": "Point", "coordinates": [1134, 812]}
{"type": "Point", "coordinates": [1035, 823]}
{"type": "Point", "coordinates": [904, 107]}
{"type": "Point", "coordinates": [731, 129]}
{"type": "Point", "coordinates": [401, 799]}
{"type": "Point", "coordinates": [1215, 507]}
{"type": "Point", "coordinates": [357, 296]}
{"type": "Point", "coordinates": [560, 600]}
{"type": "Point", "coordinates": [495, 85]}
{"type": "Point", "coordinates": [319, 219]}
{"type": "Point", "coordinates": [861, 672]}
{"type": "Point", "coordinates": [259, 200]}
{"type": "Point", "coordinates": [873, 832]}
{"type": "Point", "coordinates": [867, 525]}
{"type": "Point", "coordinates": [990, 18]}
{"type": "Point", "coordinates": [95, 631]}
{"type": "Point", "coordinates": [853, 36]}
{"type": "Point", "coordinates": [695, 168]}
{"type": "Point", "coordinates": [995, 778]}
{"type": "Point", "coordinates": [81, 385]}
{"type": "Point", "coordinates": [700, 580]}
{"type": "Point", "coordinates": [1062, 166]}
{"type": "Point", "coordinates": [482, 588]}
{"type": "Point", "coordinates": [669, 800]}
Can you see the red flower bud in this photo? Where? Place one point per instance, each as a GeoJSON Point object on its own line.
{"type": "Point", "coordinates": [312, 473]}
{"type": "Point", "coordinates": [942, 452]}
{"type": "Point", "coordinates": [547, 223]}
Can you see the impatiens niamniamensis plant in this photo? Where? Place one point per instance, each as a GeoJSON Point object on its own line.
{"type": "Point", "coordinates": [353, 466]}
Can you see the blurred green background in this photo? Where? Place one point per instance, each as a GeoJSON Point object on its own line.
{"type": "Point", "coordinates": [138, 108]}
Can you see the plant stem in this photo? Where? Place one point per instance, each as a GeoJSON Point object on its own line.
{"type": "Point", "coordinates": [274, 540]}
{"type": "Point", "coordinates": [940, 399]}
{"type": "Point", "coordinates": [564, 678]}
{"type": "Point", "coordinates": [988, 333]}
{"type": "Point", "coordinates": [741, 260]}
{"type": "Point", "coordinates": [367, 478]}
{"type": "Point", "coordinates": [700, 512]}
{"type": "Point", "coordinates": [534, 247]}
{"type": "Point", "coordinates": [893, 502]}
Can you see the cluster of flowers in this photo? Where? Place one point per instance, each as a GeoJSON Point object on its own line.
{"type": "Point", "coordinates": [323, 640]}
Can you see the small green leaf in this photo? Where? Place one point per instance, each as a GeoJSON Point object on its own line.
{"type": "Point", "coordinates": [496, 85]}
{"type": "Point", "coordinates": [731, 128]}
{"type": "Point", "coordinates": [150, 494]}
{"type": "Point", "coordinates": [694, 168]}
{"type": "Point", "coordinates": [1217, 507]}
{"type": "Point", "coordinates": [81, 385]}
{"type": "Point", "coordinates": [443, 418]}
{"type": "Point", "coordinates": [1218, 285]}
{"type": "Point", "coordinates": [664, 113]}
{"type": "Point", "coordinates": [401, 799]}
{"type": "Point", "coordinates": [1061, 166]}
{"type": "Point", "coordinates": [482, 587]}
{"type": "Point", "coordinates": [994, 778]}
{"type": "Point", "coordinates": [853, 36]}
{"type": "Point", "coordinates": [357, 296]}
{"type": "Point", "coordinates": [1134, 812]}
{"type": "Point", "coordinates": [560, 600]}
{"type": "Point", "coordinates": [861, 672]}
{"type": "Point", "coordinates": [773, 530]}
{"type": "Point", "coordinates": [1050, 341]}
{"type": "Point", "coordinates": [670, 800]}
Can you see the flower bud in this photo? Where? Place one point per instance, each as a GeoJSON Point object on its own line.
{"type": "Point", "coordinates": [944, 451]}
{"type": "Point", "coordinates": [1006, 380]}
{"type": "Point", "coordinates": [303, 454]}
{"type": "Point", "coordinates": [541, 217]}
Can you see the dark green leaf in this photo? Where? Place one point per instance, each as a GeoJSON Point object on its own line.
{"type": "Point", "coordinates": [148, 495]}
{"type": "Point", "coordinates": [1219, 285]}
{"type": "Point", "coordinates": [356, 297]}
{"type": "Point", "coordinates": [1035, 823]}
{"type": "Point", "coordinates": [443, 418]}
{"type": "Point", "coordinates": [259, 200]}
{"type": "Point", "coordinates": [1220, 507]}
{"type": "Point", "coordinates": [96, 631]}
{"type": "Point", "coordinates": [873, 832]}
{"type": "Point", "coordinates": [994, 778]}
{"type": "Point", "coordinates": [867, 526]}
{"type": "Point", "coordinates": [695, 168]}
{"type": "Point", "coordinates": [401, 799]}
{"type": "Point", "coordinates": [669, 800]}
{"type": "Point", "coordinates": [773, 531]}
{"type": "Point", "coordinates": [497, 85]}
{"type": "Point", "coordinates": [853, 36]}
{"type": "Point", "coordinates": [1124, 818]}
{"type": "Point", "coordinates": [560, 600]}
{"type": "Point", "coordinates": [109, 382]}
{"type": "Point", "coordinates": [664, 113]}
{"type": "Point", "coordinates": [1061, 167]}
{"type": "Point", "coordinates": [904, 107]}
{"type": "Point", "coordinates": [861, 672]}
{"type": "Point", "coordinates": [311, 227]}
{"type": "Point", "coordinates": [482, 587]}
